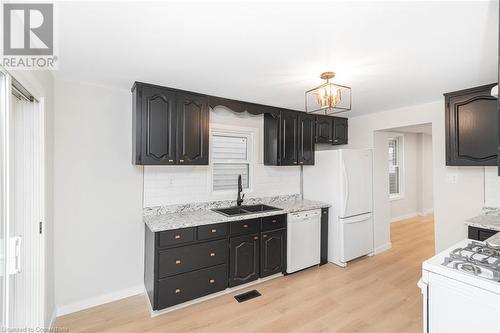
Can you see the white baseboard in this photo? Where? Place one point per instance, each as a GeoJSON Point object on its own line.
{"type": "Point", "coordinates": [404, 217]}
{"type": "Point", "coordinates": [98, 300]}
{"type": "Point", "coordinates": [52, 319]}
{"type": "Point", "coordinates": [382, 248]}
{"type": "Point", "coordinates": [427, 212]}
{"type": "Point", "coordinates": [155, 313]}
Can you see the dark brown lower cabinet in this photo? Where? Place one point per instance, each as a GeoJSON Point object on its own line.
{"type": "Point", "coordinates": [183, 264]}
{"type": "Point", "coordinates": [480, 234]}
{"type": "Point", "coordinates": [184, 287]}
{"type": "Point", "coordinates": [272, 252]}
{"type": "Point", "coordinates": [243, 259]}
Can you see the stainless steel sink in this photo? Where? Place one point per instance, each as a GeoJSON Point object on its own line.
{"type": "Point", "coordinates": [244, 210]}
{"type": "Point", "coordinates": [260, 208]}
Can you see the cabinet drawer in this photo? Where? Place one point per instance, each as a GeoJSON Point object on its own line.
{"type": "Point", "coordinates": [188, 286]}
{"type": "Point", "coordinates": [244, 227]}
{"type": "Point", "coordinates": [175, 237]}
{"type": "Point", "coordinates": [273, 222]}
{"type": "Point", "coordinates": [212, 231]}
{"type": "Point", "coordinates": [192, 257]}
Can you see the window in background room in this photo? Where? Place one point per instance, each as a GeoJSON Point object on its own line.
{"type": "Point", "coordinates": [395, 167]}
{"type": "Point", "coordinates": [231, 156]}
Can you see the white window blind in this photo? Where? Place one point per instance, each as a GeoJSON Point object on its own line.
{"type": "Point", "coordinates": [394, 167]}
{"type": "Point", "coordinates": [230, 157]}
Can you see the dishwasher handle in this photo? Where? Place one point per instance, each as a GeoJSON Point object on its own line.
{"type": "Point", "coordinates": [305, 215]}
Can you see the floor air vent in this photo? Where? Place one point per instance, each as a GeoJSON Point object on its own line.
{"type": "Point", "coordinates": [246, 296]}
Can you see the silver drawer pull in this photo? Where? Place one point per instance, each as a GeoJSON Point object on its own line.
{"type": "Point", "coordinates": [177, 262]}
{"type": "Point", "coordinates": [178, 290]}
{"type": "Point", "coordinates": [211, 281]}
{"type": "Point", "coordinates": [212, 254]}
{"type": "Point", "coordinates": [214, 231]}
{"type": "Point", "coordinates": [177, 237]}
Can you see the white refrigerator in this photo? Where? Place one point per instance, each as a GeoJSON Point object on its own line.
{"type": "Point", "coordinates": [344, 179]}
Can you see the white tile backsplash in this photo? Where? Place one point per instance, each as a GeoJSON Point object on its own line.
{"type": "Point", "coordinates": [167, 185]}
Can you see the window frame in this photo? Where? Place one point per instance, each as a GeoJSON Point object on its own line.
{"type": "Point", "coordinates": [399, 138]}
{"type": "Point", "coordinates": [227, 130]}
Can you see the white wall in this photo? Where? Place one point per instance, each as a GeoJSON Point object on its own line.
{"type": "Point", "coordinates": [453, 202]}
{"type": "Point", "coordinates": [164, 185]}
{"type": "Point", "coordinates": [41, 85]}
{"type": "Point", "coordinates": [99, 232]}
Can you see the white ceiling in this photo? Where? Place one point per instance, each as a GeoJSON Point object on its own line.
{"type": "Point", "coordinates": [421, 128]}
{"type": "Point", "coordinates": [392, 53]}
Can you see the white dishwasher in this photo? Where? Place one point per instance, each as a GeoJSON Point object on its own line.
{"type": "Point", "coordinates": [303, 240]}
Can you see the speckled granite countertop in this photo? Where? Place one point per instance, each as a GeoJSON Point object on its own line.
{"type": "Point", "coordinates": [490, 219]}
{"type": "Point", "coordinates": [192, 215]}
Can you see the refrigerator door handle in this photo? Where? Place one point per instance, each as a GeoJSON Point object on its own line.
{"type": "Point", "coordinates": [346, 186]}
{"type": "Point", "coordinates": [356, 219]}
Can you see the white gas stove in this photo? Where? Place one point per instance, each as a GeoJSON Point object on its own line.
{"type": "Point", "coordinates": [461, 289]}
{"type": "Point", "coordinates": [475, 258]}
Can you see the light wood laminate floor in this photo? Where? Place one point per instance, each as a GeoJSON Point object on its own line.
{"type": "Point", "coordinates": [373, 294]}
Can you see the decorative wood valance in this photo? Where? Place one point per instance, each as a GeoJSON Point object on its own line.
{"type": "Point", "coordinates": [239, 106]}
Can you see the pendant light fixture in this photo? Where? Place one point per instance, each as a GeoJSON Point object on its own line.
{"type": "Point", "coordinates": [328, 98]}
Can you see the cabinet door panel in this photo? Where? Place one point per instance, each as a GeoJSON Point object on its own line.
{"type": "Point", "coordinates": [192, 120]}
{"type": "Point", "coordinates": [306, 139]}
{"type": "Point", "coordinates": [324, 129]}
{"type": "Point", "coordinates": [244, 259]}
{"type": "Point", "coordinates": [272, 251]}
{"type": "Point", "coordinates": [340, 131]}
{"type": "Point", "coordinates": [158, 129]}
{"type": "Point", "coordinates": [289, 138]}
{"type": "Point", "coordinates": [472, 126]}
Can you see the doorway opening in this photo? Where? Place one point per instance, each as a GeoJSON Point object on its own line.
{"type": "Point", "coordinates": [405, 165]}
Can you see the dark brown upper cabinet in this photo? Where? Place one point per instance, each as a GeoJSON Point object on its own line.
{"type": "Point", "coordinates": [169, 127]}
{"type": "Point", "coordinates": [471, 127]}
{"type": "Point", "coordinates": [332, 130]}
{"type": "Point", "coordinates": [340, 130]}
{"type": "Point", "coordinates": [306, 137]}
{"type": "Point", "coordinates": [155, 126]}
{"type": "Point", "coordinates": [289, 138]}
{"type": "Point", "coordinates": [324, 129]}
{"type": "Point", "coordinates": [192, 129]}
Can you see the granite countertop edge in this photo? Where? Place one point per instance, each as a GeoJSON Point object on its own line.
{"type": "Point", "coordinates": [489, 219]}
{"type": "Point", "coordinates": [194, 218]}
{"type": "Point", "coordinates": [483, 225]}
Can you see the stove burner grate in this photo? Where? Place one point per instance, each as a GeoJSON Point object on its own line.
{"type": "Point", "coordinates": [476, 259]}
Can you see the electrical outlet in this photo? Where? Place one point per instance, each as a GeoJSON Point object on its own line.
{"type": "Point", "coordinates": [452, 178]}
